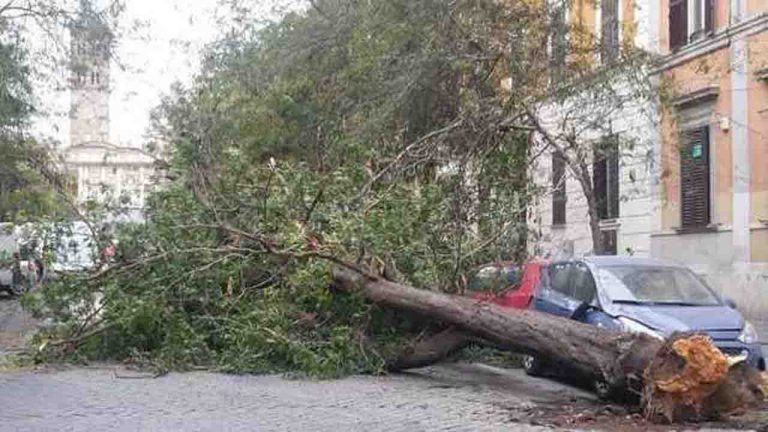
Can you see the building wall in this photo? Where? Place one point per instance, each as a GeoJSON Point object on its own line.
{"type": "Point", "coordinates": [755, 7]}
{"type": "Point", "coordinates": [637, 168]}
{"type": "Point", "coordinates": [757, 99]}
{"type": "Point", "coordinates": [106, 174]}
{"type": "Point", "coordinates": [89, 83]}
{"type": "Point", "coordinates": [706, 71]}
{"type": "Point", "coordinates": [733, 254]}
{"type": "Point", "coordinates": [89, 117]}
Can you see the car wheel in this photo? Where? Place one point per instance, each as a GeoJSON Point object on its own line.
{"type": "Point", "coordinates": [533, 366]}
{"type": "Point", "coordinates": [603, 390]}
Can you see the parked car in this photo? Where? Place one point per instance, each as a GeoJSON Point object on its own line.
{"type": "Point", "coordinates": [506, 283]}
{"type": "Point", "coordinates": [642, 295]}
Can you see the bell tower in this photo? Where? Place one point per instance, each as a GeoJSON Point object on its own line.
{"type": "Point", "coordinates": [91, 42]}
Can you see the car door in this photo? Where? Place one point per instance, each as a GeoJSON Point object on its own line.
{"type": "Point", "coordinates": [555, 294]}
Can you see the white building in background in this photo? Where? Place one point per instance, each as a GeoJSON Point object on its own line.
{"type": "Point", "coordinates": [626, 180]}
{"type": "Point", "coordinates": [101, 171]}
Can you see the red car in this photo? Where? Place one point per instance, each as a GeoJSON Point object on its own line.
{"type": "Point", "coordinates": [506, 284]}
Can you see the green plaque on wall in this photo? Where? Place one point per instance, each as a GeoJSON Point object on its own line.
{"type": "Point", "coordinates": [697, 149]}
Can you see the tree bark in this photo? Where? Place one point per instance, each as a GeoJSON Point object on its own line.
{"type": "Point", "coordinates": [623, 360]}
{"type": "Point", "coordinates": [430, 349]}
{"type": "Point", "coordinates": [590, 350]}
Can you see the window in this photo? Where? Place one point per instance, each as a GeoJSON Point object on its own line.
{"type": "Point", "coordinates": [559, 278]}
{"type": "Point", "coordinates": [703, 17]}
{"type": "Point", "coordinates": [678, 23]}
{"type": "Point", "coordinates": [605, 178]}
{"type": "Point", "coordinates": [79, 78]}
{"type": "Point", "coordinates": [609, 47]}
{"type": "Point", "coordinates": [694, 179]}
{"type": "Point", "coordinates": [558, 189]}
{"type": "Point", "coordinates": [558, 43]}
{"type": "Point", "coordinates": [494, 278]}
{"type": "Point", "coordinates": [685, 27]}
{"type": "Point", "coordinates": [583, 284]}
{"type": "Point", "coordinates": [572, 280]}
{"type": "Point", "coordinates": [608, 242]}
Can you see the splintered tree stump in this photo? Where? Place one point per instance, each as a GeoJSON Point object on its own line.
{"type": "Point", "coordinates": [683, 378]}
{"type": "Point", "coordinates": [689, 379]}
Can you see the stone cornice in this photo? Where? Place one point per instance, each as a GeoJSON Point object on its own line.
{"type": "Point", "coordinates": [719, 40]}
{"type": "Point", "coordinates": [696, 96]}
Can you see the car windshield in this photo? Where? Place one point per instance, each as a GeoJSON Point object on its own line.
{"type": "Point", "coordinates": [655, 285]}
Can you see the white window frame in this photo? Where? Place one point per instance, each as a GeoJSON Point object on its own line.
{"type": "Point", "coordinates": [692, 14]}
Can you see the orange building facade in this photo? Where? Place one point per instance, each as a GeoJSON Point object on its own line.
{"type": "Point", "coordinates": [712, 148]}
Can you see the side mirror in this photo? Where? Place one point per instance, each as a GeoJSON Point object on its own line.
{"type": "Point", "coordinates": [730, 303]}
{"type": "Point", "coordinates": [581, 311]}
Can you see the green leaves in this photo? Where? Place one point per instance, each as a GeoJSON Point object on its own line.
{"type": "Point", "coordinates": [372, 138]}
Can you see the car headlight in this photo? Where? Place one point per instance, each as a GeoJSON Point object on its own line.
{"type": "Point", "coordinates": [749, 334]}
{"type": "Point", "coordinates": [632, 326]}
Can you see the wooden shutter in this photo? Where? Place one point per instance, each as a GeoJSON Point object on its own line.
{"type": "Point", "coordinates": [558, 44]}
{"type": "Point", "coordinates": [605, 178]}
{"type": "Point", "coordinates": [709, 16]}
{"type": "Point", "coordinates": [558, 189]}
{"type": "Point", "coordinates": [694, 179]}
{"type": "Point", "coordinates": [600, 183]}
{"type": "Point", "coordinates": [609, 44]}
{"type": "Point", "coordinates": [613, 180]}
{"type": "Point", "coordinates": [678, 23]}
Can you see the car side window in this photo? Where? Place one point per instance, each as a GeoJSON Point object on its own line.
{"type": "Point", "coordinates": [559, 278]}
{"type": "Point", "coordinates": [484, 279]}
{"type": "Point", "coordinates": [510, 277]}
{"type": "Point", "coordinates": [583, 284]}
{"type": "Point", "coordinates": [494, 278]}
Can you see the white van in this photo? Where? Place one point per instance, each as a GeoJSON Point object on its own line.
{"type": "Point", "coordinates": [73, 249]}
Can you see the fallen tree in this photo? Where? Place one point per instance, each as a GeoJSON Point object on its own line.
{"type": "Point", "coordinates": [683, 378]}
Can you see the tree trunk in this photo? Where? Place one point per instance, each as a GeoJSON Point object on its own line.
{"type": "Point", "coordinates": [581, 171]}
{"type": "Point", "coordinates": [430, 349]}
{"type": "Point", "coordinates": [621, 359]}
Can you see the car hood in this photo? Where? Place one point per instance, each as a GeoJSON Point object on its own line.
{"type": "Point", "coordinates": [721, 322]}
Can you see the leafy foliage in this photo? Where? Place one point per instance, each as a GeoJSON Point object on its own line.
{"type": "Point", "coordinates": [382, 135]}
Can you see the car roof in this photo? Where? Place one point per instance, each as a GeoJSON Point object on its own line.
{"type": "Point", "coordinates": [612, 261]}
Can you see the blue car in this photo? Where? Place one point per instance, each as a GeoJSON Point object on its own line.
{"type": "Point", "coordinates": [645, 296]}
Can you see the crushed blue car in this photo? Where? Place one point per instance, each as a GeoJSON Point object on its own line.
{"type": "Point", "coordinates": [645, 296]}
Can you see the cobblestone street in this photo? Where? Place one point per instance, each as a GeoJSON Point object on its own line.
{"type": "Point", "coordinates": [16, 326]}
{"type": "Point", "coordinates": [457, 397]}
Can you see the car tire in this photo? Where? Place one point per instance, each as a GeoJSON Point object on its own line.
{"type": "Point", "coordinates": [533, 366]}
{"type": "Point", "coordinates": [603, 390]}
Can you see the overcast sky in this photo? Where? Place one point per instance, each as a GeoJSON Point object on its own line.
{"type": "Point", "coordinates": [161, 43]}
